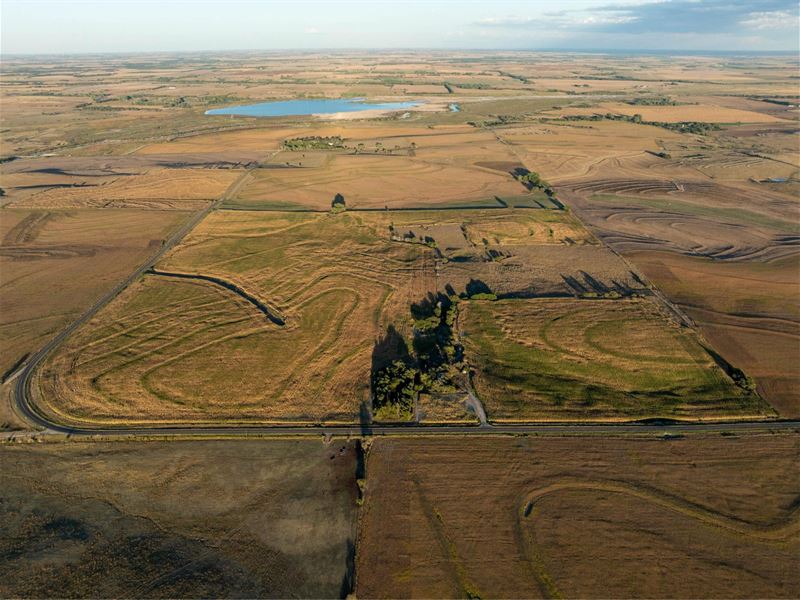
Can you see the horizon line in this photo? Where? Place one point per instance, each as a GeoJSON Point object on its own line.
{"type": "Point", "coordinates": [390, 49]}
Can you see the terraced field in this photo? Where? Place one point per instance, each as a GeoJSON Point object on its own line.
{"type": "Point", "coordinates": [594, 359]}
{"type": "Point", "coordinates": [281, 324]}
{"type": "Point", "coordinates": [184, 189]}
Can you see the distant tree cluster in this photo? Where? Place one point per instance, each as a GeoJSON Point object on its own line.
{"type": "Point", "coordinates": [696, 127]}
{"type": "Point", "coordinates": [652, 101]}
{"type": "Point", "coordinates": [532, 180]}
{"type": "Point", "coordinates": [314, 143]}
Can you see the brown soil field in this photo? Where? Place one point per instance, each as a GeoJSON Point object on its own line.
{"type": "Point", "coordinates": [335, 283]}
{"type": "Point", "coordinates": [161, 188]}
{"type": "Point", "coordinates": [747, 310]}
{"type": "Point", "coordinates": [53, 264]}
{"type": "Point", "coordinates": [193, 519]}
{"type": "Point", "coordinates": [528, 517]}
{"type": "Point", "coordinates": [567, 359]}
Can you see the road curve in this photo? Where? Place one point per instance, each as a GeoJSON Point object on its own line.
{"type": "Point", "coordinates": [30, 412]}
{"type": "Point", "coordinates": [21, 392]}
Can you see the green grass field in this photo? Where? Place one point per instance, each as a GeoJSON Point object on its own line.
{"type": "Point", "coordinates": [593, 359]}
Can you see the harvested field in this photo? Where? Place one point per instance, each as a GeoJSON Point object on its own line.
{"type": "Point", "coordinates": [261, 141]}
{"type": "Point", "coordinates": [526, 271]}
{"type": "Point", "coordinates": [55, 263]}
{"type": "Point", "coordinates": [566, 150]}
{"type": "Point", "coordinates": [747, 310]}
{"type": "Point", "coordinates": [178, 519]}
{"type": "Point", "coordinates": [469, 232]}
{"type": "Point", "coordinates": [162, 188]}
{"type": "Point", "coordinates": [697, 219]}
{"type": "Point", "coordinates": [705, 112]}
{"type": "Point", "coordinates": [376, 182]}
{"type": "Point", "coordinates": [593, 359]}
{"type": "Point", "coordinates": [174, 349]}
{"type": "Point", "coordinates": [580, 517]}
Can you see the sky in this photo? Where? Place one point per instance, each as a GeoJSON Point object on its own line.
{"type": "Point", "coordinates": [81, 26]}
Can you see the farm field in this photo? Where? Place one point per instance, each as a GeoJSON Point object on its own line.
{"type": "Point", "coordinates": [317, 291]}
{"type": "Point", "coordinates": [184, 189]}
{"type": "Point", "coordinates": [187, 519]}
{"type": "Point", "coordinates": [580, 517]}
{"type": "Point", "coordinates": [388, 167]}
{"type": "Point", "coordinates": [593, 359]}
{"type": "Point", "coordinates": [747, 310]}
{"type": "Point", "coordinates": [550, 306]}
{"type": "Point", "coordinates": [54, 263]}
{"type": "Point", "coordinates": [257, 288]}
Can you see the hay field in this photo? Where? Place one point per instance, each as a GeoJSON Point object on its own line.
{"type": "Point", "coordinates": [580, 517]}
{"type": "Point", "coordinates": [562, 151]}
{"type": "Point", "coordinates": [287, 332]}
{"type": "Point", "coordinates": [178, 519]}
{"type": "Point", "coordinates": [747, 310]}
{"type": "Point", "coordinates": [706, 112]}
{"type": "Point", "coordinates": [53, 264]}
{"type": "Point", "coordinates": [375, 182]}
{"type": "Point", "coordinates": [592, 360]}
{"type": "Point", "coordinates": [184, 189]}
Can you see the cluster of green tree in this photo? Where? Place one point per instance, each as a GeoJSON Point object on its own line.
{"type": "Point", "coordinates": [697, 127]}
{"type": "Point", "coordinates": [498, 120]}
{"type": "Point", "coordinates": [780, 102]}
{"type": "Point", "coordinates": [470, 86]}
{"type": "Point", "coordinates": [533, 180]}
{"type": "Point", "coordinates": [521, 78]}
{"type": "Point", "coordinates": [379, 148]}
{"type": "Point", "coordinates": [314, 142]}
{"type": "Point", "coordinates": [653, 101]}
{"type": "Point", "coordinates": [394, 389]}
{"type": "Point", "coordinates": [435, 351]}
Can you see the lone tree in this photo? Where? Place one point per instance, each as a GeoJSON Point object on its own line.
{"type": "Point", "coordinates": [338, 203]}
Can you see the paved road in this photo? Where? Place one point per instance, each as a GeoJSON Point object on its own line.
{"type": "Point", "coordinates": [417, 430]}
{"type": "Point", "coordinates": [29, 411]}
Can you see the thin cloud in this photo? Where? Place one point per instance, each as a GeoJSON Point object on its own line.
{"type": "Point", "coordinates": [311, 31]}
{"type": "Point", "coordinates": [776, 19]}
{"type": "Point", "coordinates": [670, 16]}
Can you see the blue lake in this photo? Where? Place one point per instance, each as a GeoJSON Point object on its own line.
{"type": "Point", "coordinates": [307, 107]}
